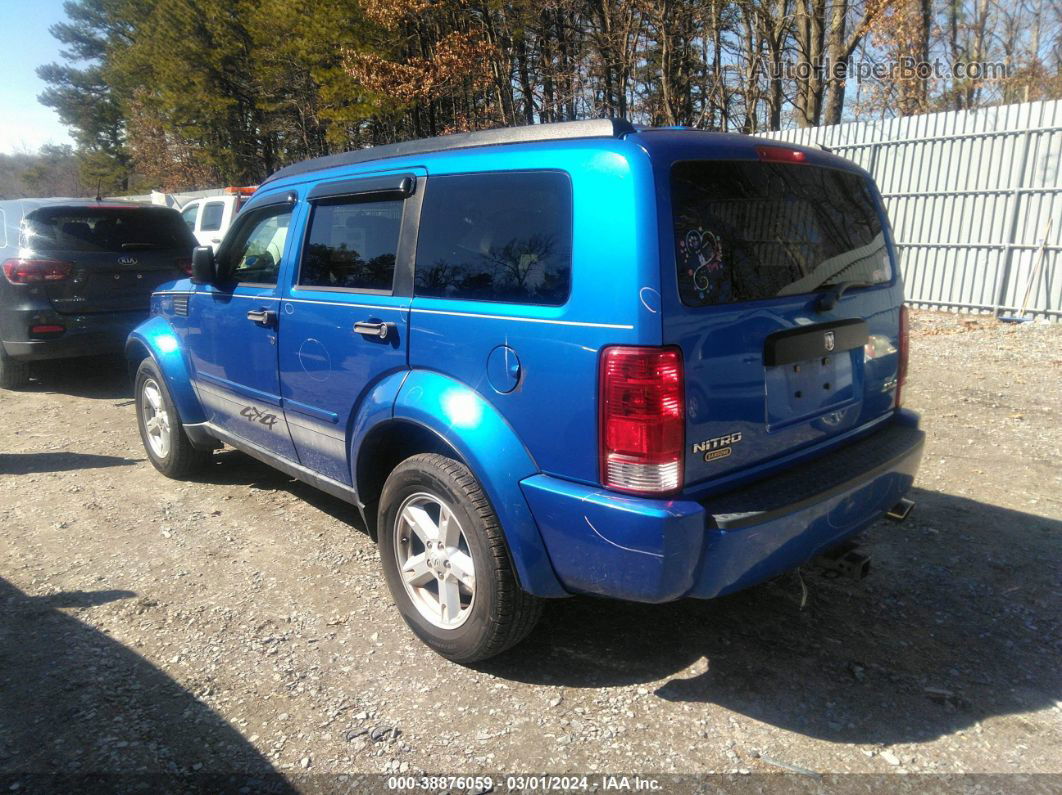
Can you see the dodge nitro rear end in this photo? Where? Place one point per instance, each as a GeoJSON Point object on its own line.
{"type": "Point", "coordinates": [767, 426]}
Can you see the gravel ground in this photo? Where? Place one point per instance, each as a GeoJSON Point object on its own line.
{"type": "Point", "coordinates": [239, 623]}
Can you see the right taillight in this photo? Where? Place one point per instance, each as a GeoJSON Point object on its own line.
{"type": "Point", "coordinates": [35, 271]}
{"type": "Point", "coordinates": [642, 419]}
{"type": "Point", "coordinates": [905, 349]}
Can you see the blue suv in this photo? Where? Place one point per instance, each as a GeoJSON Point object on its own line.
{"type": "Point", "coordinates": [586, 357]}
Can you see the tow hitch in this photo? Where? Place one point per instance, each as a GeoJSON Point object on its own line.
{"type": "Point", "coordinates": [900, 510]}
{"type": "Point", "coordinates": [844, 561]}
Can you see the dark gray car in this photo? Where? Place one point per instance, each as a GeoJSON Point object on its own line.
{"type": "Point", "coordinates": [77, 276]}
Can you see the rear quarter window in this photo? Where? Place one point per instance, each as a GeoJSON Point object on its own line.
{"type": "Point", "coordinates": [749, 230]}
{"type": "Point", "coordinates": [496, 237]}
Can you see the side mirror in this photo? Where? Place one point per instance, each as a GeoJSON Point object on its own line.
{"type": "Point", "coordinates": [203, 267]}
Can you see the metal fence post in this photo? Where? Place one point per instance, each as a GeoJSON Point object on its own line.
{"type": "Point", "coordinates": [1012, 224]}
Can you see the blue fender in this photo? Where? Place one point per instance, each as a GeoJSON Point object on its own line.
{"type": "Point", "coordinates": [375, 407]}
{"type": "Point", "coordinates": [489, 446]}
{"type": "Point", "coordinates": [156, 339]}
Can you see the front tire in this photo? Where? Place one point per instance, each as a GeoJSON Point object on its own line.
{"type": "Point", "coordinates": [13, 373]}
{"type": "Point", "coordinates": [167, 445]}
{"type": "Point", "coordinates": [446, 563]}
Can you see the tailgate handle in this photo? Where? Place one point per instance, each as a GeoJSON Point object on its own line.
{"type": "Point", "coordinates": [805, 343]}
{"type": "Point", "coordinates": [262, 317]}
{"type": "Point", "coordinates": [369, 328]}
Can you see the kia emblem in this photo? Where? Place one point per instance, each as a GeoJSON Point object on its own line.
{"type": "Point", "coordinates": [127, 260]}
{"type": "Point", "coordinates": [829, 341]}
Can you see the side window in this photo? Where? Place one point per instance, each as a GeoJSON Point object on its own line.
{"type": "Point", "coordinates": [497, 237]}
{"type": "Point", "coordinates": [213, 212]}
{"type": "Point", "coordinates": [188, 214]}
{"type": "Point", "coordinates": [352, 245]}
{"type": "Point", "coordinates": [252, 254]}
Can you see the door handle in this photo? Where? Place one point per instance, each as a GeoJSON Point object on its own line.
{"type": "Point", "coordinates": [368, 328]}
{"type": "Point", "coordinates": [262, 317]}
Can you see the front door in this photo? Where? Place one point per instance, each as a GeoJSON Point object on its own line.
{"type": "Point", "coordinates": [344, 323]}
{"type": "Point", "coordinates": [233, 330]}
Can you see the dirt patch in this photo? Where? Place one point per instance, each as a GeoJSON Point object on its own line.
{"type": "Point", "coordinates": [239, 622]}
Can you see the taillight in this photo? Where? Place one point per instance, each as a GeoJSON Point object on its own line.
{"type": "Point", "coordinates": [47, 330]}
{"type": "Point", "coordinates": [35, 271]}
{"type": "Point", "coordinates": [184, 265]}
{"type": "Point", "coordinates": [642, 419]}
{"type": "Point", "coordinates": [904, 351]}
{"type": "Point", "coordinates": [780, 154]}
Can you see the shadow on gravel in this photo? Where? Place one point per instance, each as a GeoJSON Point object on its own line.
{"type": "Point", "coordinates": [959, 622]}
{"type": "Point", "coordinates": [101, 377]}
{"type": "Point", "coordinates": [75, 703]}
{"type": "Point", "coordinates": [32, 463]}
{"type": "Point", "coordinates": [233, 468]}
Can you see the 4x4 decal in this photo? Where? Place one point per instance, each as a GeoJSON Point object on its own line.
{"type": "Point", "coordinates": [257, 415]}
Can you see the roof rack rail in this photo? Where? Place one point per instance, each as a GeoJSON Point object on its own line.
{"type": "Point", "coordinates": [556, 131]}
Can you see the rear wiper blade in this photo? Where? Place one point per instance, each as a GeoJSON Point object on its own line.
{"type": "Point", "coordinates": [141, 245]}
{"type": "Point", "coordinates": [835, 292]}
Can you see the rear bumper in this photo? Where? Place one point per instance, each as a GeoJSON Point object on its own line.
{"type": "Point", "coordinates": [85, 335]}
{"type": "Point", "coordinates": [658, 550]}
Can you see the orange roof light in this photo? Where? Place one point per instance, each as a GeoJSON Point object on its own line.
{"type": "Point", "coordinates": [233, 190]}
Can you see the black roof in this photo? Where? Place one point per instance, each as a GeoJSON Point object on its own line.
{"type": "Point", "coordinates": [557, 131]}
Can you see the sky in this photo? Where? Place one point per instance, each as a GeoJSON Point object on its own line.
{"type": "Point", "coordinates": [25, 124]}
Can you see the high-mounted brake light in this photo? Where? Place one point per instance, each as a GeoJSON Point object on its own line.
{"type": "Point", "coordinates": [642, 419]}
{"type": "Point", "coordinates": [904, 353]}
{"type": "Point", "coordinates": [780, 154]}
{"type": "Point", "coordinates": [34, 271]}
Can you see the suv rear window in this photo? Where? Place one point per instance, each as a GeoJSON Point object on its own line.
{"type": "Point", "coordinates": [497, 237]}
{"type": "Point", "coordinates": [745, 230]}
{"type": "Point", "coordinates": [106, 229]}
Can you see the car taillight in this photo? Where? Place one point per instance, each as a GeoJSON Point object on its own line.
{"type": "Point", "coordinates": [642, 419]}
{"type": "Point", "coordinates": [904, 351]}
{"type": "Point", "coordinates": [47, 330]}
{"type": "Point", "coordinates": [184, 265]}
{"type": "Point", "coordinates": [33, 271]}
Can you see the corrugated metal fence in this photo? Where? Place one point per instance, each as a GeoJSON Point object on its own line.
{"type": "Point", "coordinates": [971, 196]}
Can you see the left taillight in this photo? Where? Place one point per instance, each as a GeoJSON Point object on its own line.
{"type": "Point", "coordinates": [23, 270]}
{"type": "Point", "coordinates": [642, 419]}
{"type": "Point", "coordinates": [904, 353]}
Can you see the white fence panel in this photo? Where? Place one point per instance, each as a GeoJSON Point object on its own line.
{"type": "Point", "coordinates": [970, 195]}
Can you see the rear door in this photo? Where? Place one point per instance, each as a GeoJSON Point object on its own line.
{"type": "Point", "coordinates": [345, 321]}
{"type": "Point", "coordinates": [119, 254]}
{"type": "Point", "coordinates": [759, 248]}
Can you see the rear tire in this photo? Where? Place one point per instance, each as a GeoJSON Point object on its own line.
{"type": "Point", "coordinates": [167, 445]}
{"type": "Point", "coordinates": [435, 524]}
{"type": "Point", "coordinates": [13, 373]}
